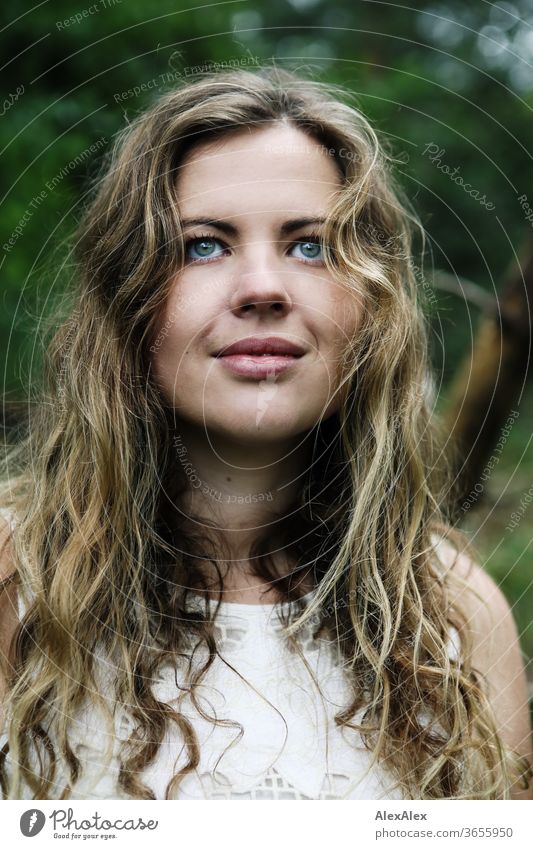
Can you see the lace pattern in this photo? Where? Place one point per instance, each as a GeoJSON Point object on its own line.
{"type": "Point", "coordinates": [274, 786]}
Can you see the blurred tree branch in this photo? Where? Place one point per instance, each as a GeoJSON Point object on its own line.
{"type": "Point", "coordinates": [492, 375]}
{"type": "Point", "coordinates": [463, 288]}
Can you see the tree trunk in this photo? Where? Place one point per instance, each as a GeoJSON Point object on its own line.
{"type": "Point", "coordinates": [480, 409]}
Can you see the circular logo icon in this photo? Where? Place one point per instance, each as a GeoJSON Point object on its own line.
{"type": "Point", "coordinates": [32, 822]}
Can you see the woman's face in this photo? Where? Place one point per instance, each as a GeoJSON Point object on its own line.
{"type": "Point", "coordinates": [254, 271]}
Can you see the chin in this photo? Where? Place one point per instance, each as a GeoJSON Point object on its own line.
{"type": "Point", "coordinates": [255, 427]}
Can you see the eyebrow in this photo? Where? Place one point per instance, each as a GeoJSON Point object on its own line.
{"type": "Point", "coordinates": [225, 226]}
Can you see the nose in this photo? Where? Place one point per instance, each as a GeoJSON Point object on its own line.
{"type": "Point", "coordinates": [261, 285]}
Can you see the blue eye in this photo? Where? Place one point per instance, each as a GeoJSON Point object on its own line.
{"type": "Point", "coordinates": [203, 247]}
{"type": "Point", "coordinates": [310, 247]}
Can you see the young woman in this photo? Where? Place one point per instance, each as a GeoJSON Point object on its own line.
{"type": "Point", "coordinates": [229, 567]}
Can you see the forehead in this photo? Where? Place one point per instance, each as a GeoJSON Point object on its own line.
{"type": "Point", "coordinates": [279, 167]}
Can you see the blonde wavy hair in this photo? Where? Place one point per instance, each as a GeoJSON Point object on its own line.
{"type": "Point", "coordinates": [102, 558]}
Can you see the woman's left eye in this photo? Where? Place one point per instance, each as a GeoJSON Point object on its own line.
{"type": "Point", "coordinates": [203, 247]}
{"type": "Point", "coordinates": [311, 248]}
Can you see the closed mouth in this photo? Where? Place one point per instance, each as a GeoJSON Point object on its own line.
{"type": "Point", "coordinates": [261, 347]}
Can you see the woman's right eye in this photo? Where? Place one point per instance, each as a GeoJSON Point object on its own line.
{"type": "Point", "coordinates": [203, 248]}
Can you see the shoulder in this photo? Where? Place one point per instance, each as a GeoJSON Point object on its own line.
{"type": "Point", "coordinates": [478, 597]}
{"type": "Point", "coordinates": [472, 590]}
{"type": "Point", "coordinates": [496, 650]}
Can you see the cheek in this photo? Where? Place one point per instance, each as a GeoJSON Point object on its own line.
{"type": "Point", "coordinates": [197, 291]}
{"type": "Point", "coordinates": [344, 322]}
{"type": "Point", "coordinates": [187, 312]}
{"type": "Point", "coordinates": [168, 338]}
{"type": "Point", "coordinates": [169, 351]}
{"type": "Point", "coordinates": [344, 319]}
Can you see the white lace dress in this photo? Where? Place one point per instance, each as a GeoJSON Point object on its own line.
{"type": "Point", "coordinates": [289, 746]}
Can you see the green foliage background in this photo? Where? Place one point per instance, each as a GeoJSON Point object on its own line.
{"type": "Point", "coordinates": [451, 74]}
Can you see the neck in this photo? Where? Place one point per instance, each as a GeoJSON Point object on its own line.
{"type": "Point", "coordinates": [243, 490]}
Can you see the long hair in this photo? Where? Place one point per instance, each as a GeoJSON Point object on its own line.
{"type": "Point", "coordinates": [103, 559]}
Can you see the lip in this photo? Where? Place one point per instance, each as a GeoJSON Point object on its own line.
{"type": "Point", "coordinates": [275, 346]}
{"type": "Point", "coordinates": [260, 367]}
